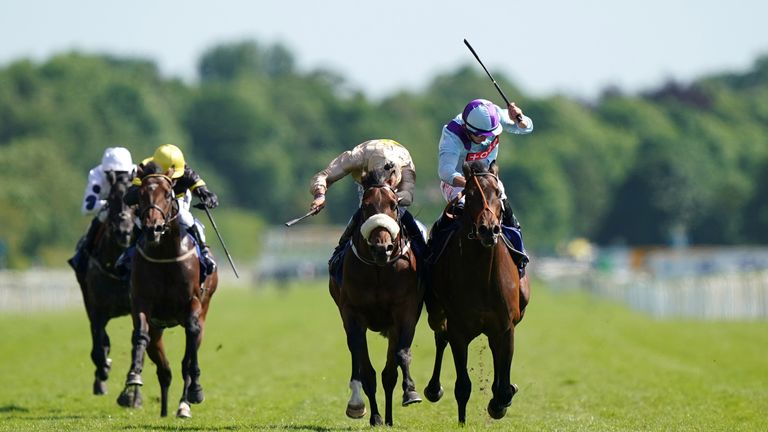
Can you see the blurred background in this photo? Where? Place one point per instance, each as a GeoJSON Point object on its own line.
{"type": "Point", "coordinates": [644, 180]}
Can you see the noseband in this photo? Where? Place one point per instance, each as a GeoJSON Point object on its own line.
{"type": "Point", "coordinates": [396, 238]}
{"type": "Point", "coordinates": [473, 230]}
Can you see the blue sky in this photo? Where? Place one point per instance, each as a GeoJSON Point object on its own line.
{"type": "Point", "coordinates": [545, 46]}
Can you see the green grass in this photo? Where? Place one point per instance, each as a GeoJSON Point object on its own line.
{"type": "Point", "coordinates": [275, 360]}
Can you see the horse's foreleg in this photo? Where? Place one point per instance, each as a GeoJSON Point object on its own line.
{"type": "Point", "coordinates": [368, 374]}
{"type": "Point", "coordinates": [502, 348]}
{"type": "Point", "coordinates": [459, 349]}
{"type": "Point", "coordinates": [131, 395]}
{"type": "Point", "coordinates": [190, 366]}
{"type": "Point", "coordinates": [389, 375]}
{"type": "Point", "coordinates": [99, 352]}
{"type": "Point", "coordinates": [403, 359]}
{"type": "Point", "coordinates": [355, 340]}
{"type": "Point", "coordinates": [434, 390]}
{"type": "Point", "coordinates": [156, 353]}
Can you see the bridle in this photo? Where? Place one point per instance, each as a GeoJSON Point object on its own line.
{"type": "Point", "coordinates": [401, 248]}
{"type": "Point", "coordinates": [173, 210]}
{"type": "Point", "coordinates": [473, 232]}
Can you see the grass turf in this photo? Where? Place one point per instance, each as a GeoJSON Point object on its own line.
{"type": "Point", "coordinates": [277, 360]}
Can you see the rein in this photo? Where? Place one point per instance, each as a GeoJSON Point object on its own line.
{"type": "Point", "coordinates": [175, 259]}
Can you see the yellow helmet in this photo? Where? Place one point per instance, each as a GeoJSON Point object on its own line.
{"type": "Point", "coordinates": [169, 156]}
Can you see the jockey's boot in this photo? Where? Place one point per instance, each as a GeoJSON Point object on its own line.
{"type": "Point", "coordinates": [84, 247]}
{"type": "Point", "coordinates": [349, 231]}
{"type": "Point", "coordinates": [210, 264]}
{"type": "Point", "coordinates": [512, 229]}
{"type": "Point", "coordinates": [418, 244]}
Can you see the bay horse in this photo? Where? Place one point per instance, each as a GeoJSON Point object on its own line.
{"type": "Point", "coordinates": [165, 291]}
{"type": "Point", "coordinates": [475, 289]}
{"type": "Point", "coordinates": [379, 291]}
{"type": "Point", "coordinates": [105, 294]}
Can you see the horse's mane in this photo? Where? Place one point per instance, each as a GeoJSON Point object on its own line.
{"type": "Point", "coordinates": [152, 168]}
{"type": "Point", "coordinates": [476, 167]}
{"type": "Point", "coordinates": [378, 177]}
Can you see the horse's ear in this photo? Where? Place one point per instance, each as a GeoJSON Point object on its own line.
{"type": "Point", "coordinates": [494, 168]}
{"type": "Point", "coordinates": [466, 169]}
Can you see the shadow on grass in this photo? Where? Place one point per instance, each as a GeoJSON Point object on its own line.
{"type": "Point", "coordinates": [176, 427]}
{"type": "Point", "coordinates": [12, 409]}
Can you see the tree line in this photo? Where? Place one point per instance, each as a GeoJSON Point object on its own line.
{"type": "Point", "coordinates": [683, 160]}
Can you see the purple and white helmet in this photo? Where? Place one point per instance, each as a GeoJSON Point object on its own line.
{"type": "Point", "coordinates": [481, 118]}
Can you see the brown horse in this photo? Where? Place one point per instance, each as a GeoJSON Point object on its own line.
{"type": "Point", "coordinates": [105, 294]}
{"type": "Point", "coordinates": [379, 291]}
{"type": "Point", "coordinates": [475, 289]}
{"type": "Point", "coordinates": [165, 292]}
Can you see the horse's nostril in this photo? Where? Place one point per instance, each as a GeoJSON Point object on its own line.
{"type": "Point", "coordinates": [390, 247]}
{"type": "Point", "coordinates": [158, 228]}
{"type": "Point", "coordinates": [496, 230]}
{"type": "Point", "coordinates": [482, 229]}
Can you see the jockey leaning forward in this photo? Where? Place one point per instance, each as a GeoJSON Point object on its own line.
{"type": "Point", "coordinates": [114, 159]}
{"type": "Point", "coordinates": [369, 156]}
{"type": "Point", "coordinates": [185, 180]}
{"type": "Point", "coordinates": [474, 135]}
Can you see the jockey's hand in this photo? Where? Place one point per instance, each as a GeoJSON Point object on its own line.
{"type": "Point", "coordinates": [515, 111]}
{"type": "Point", "coordinates": [207, 197]}
{"type": "Point", "coordinates": [318, 203]}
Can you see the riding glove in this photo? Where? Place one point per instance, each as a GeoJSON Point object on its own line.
{"type": "Point", "coordinates": [207, 197]}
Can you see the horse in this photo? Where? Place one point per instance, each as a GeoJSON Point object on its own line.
{"type": "Point", "coordinates": [475, 289]}
{"type": "Point", "coordinates": [379, 291]}
{"type": "Point", "coordinates": [105, 294]}
{"type": "Point", "coordinates": [166, 291]}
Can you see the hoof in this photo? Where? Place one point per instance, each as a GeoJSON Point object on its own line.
{"type": "Point", "coordinates": [433, 395]}
{"type": "Point", "coordinates": [356, 412]}
{"type": "Point", "coordinates": [184, 411]}
{"type": "Point", "coordinates": [130, 397]}
{"type": "Point", "coordinates": [134, 379]}
{"type": "Point", "coordinates": [99, 387]}
{"type": "Point", "coordinates": [376, 420]}
{"type": "Point", "coordinates": [411, 397]}
{"type": "Point", "coordinates": [496, 412]}
{"type": "Point", "coordinates": [195, 394]}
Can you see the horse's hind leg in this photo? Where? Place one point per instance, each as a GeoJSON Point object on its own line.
{"type": "Point", "coordinates": [434, 390]}
{"type": "Point", "coordinates": [502, 348]}
{"type": "Point", "coordinates": [130, 397]}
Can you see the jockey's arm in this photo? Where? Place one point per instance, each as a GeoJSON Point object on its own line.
{"type": "Point", "coordinates": [406, 186]}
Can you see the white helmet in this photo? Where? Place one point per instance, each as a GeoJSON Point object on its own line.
{"type": "Point", "coordinates": [117, 159]}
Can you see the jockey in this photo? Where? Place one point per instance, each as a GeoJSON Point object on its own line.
{"type": "Point", "coordinates": [117, 159]}
{"type": "Point", "coordinates": [170, 157]}
{"type": "Point", "coordinates": [474, 135]}
{"type": "Point", "coordinates": [369, 156]}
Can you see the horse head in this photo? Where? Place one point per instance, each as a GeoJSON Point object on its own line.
{"type": "Point", "coordinates": [119, 215]}
{"type": "Point", "coordinates": [483, 205]}
{"type": "Point", "coordinates": [156, 203]}
{"type": "Point", "coordinates": [380, 216]}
